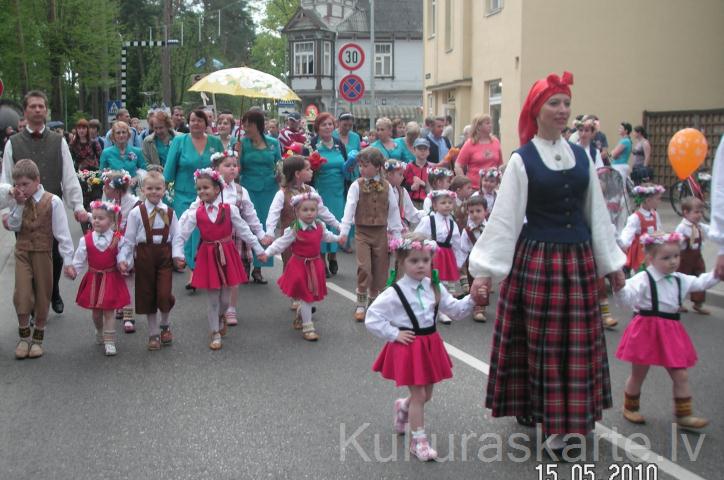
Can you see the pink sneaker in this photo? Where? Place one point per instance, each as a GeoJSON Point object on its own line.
{"type": "Point", "coordinates": [421, 448]}
{"type": "Point", "coordinates": [129, 327]}
{"type": "Point", "coordinates": [400, 416]}
{"type": "Point", "coordinates": [231, 319]}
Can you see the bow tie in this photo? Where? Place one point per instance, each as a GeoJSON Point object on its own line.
{"type": "Point", "coordinates": [161, 213]}
{"type": "Point", "coordinates": [669, 278]}
{"type": "Point", "coordinates": [36, 134]}
{"type": "Point", "coordinates": [210, 208]}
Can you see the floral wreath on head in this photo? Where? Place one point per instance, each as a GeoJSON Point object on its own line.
{"type": "Point", "coordinates": [435, 194]}
{"type": "Point", "coordinates": [441, 172]}
{"type": "Point", "coordinates": [107, 206]}
{"type": "Point", "coordinates": [116, 178]}
{"type": "Point", "coordinates": [491, 173]}
{"type": "Point", "coordinates": [225, 154]}
{"type": "Point", "coordinates": [642, 192]}
{"type": "Point", "coordinates": [392, 165]}
{"type": "Point", "coordinates": [409, 244]}
{"type": "Point", "coordinates": [211, 174]}
{"type": "Point", "coordinates": [660, 238]}
{"type": "Point", "coordinates": [297, 199]}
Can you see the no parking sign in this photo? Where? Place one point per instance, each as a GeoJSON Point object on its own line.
{"type": "Point", "coordinates": [351, 88]}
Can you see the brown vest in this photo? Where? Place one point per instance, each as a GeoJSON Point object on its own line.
{"type": "Point", "coordinates": [36, 232]}
{"type": "Point", "coordinates": [288, 216]}
{"type": "Point", "coordinates": [46, 153]}
{"type": "Point", "coordinates": [373, 206]}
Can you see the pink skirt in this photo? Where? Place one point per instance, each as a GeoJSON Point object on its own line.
{"type": "Point", "coordinates": [423, 362]}
{"type": "Point", "coordinates": [446, 265]}
{"type": "Point", "coordinates": [657, 341]}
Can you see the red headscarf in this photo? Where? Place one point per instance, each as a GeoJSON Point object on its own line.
{"type": "Point", "coordinates": [541, 91]}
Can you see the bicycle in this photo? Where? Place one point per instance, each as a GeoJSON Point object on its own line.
{"type": "Point", "coordinates": [693, 186]}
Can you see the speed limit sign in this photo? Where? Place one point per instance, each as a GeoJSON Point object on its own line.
{"type": "Point", "coordinates": [351, 56]}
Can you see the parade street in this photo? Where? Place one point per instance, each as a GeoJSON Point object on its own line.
{"type": "Point", "coordinates": [271, 405]}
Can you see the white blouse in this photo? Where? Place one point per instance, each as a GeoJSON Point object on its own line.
{"type": "Point", "coordinates": [282, 243]}
{"type": "Point", "coordinates": [637, 292]}
{"type": "Point", "coordinates": [442, 229]}
{"type": "Point", "coordinates": [386, 314]}
{"type": "Point", "coordinates": [277, 205]}
{"type": "Point", "coordinates": [247, 210]}
{"type": "Point", "coordinates": [135, 233]}
{"type": "Point", "coordinates": [100, 240]}
{"type": "Point", "coordinates": [492, 255]}
{"type": "Point", "coordinates": [465, 244]}
{"type": "Point", "coordinates": [412, 214]}
{"type": "Point", "coordinates": [633, 226]}
{"type": "Point", "coordinates": [685, 228]}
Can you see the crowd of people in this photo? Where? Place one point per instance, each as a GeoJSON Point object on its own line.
{"type": "Point", "coordinates": [432, 224]}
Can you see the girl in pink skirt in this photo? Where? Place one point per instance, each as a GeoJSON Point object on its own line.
{"type": "Point", "coordinates": [441, 228]}
{"type": "Point", "coordinates": [414, 355]}
{"type": "Point", "coordinates": [656, 336]}
{"type": "Point", "coordinates": [304, 277]}
{"type": "Point", "coordinates": [218, 264]}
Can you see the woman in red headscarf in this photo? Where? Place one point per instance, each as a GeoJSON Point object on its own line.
{"type": "Point", "coordinates": [548, 361]}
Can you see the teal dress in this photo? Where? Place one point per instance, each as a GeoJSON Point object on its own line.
{"type": "Point", "coordinates": [329, 182]}
{"type": "Point", "coordinates": [407, 155]}
{"type": "Point", "coordinates": [181, 163]}
{"type": "Point", "coordinates": [258, 171]}
{"type": "Point", "coordinates": [351, 173]}
{"type": "Point", "coordinates": [625, 154]}
{"type": "Point", "coordinates": [395, 153]}
{"type": "Point", "coordinates": [162, 150]}
{"type": "Point", "coordinates": [131, 161]}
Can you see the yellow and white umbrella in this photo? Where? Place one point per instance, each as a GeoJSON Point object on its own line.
{"type": "Point", "coordinates": [245, 82]}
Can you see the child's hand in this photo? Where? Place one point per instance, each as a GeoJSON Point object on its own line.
{"type": "Point", "coordinates": [263, 257]}
{"type": "Point", "coordinates": [480, 291]}
{"type": "Point", "coordinates": [18, 196]}
{"type": "Point", "coordinates": [123, 268]}
{"type": "Point", "coordinates": [180, 263]}
{"type": "Point", "coordinates": [70, 272]}
{"type": "Point", "coordinates": [266, 241]}
{"type": "Point", "coordinates": [81, 216]}
{"type": "Point", "coordinates": [405, 337]}
{"type": "Point", "coordinates": [617, 280]}
{"type": "Point", "coordinates": [342, 240]}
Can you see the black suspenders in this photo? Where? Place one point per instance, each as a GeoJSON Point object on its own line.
{"type": "Point", "coordinates": [413, 319]}
{"type": "Point", "coordinates": [654, 312]}
{"type": "Point", "coordinates": [433, 233]}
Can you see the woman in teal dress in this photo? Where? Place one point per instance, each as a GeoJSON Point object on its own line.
{"type": "Point", "coordinates": [120, 155]}
{"type": "Point", "coordinates": [329, 179]}
{"type": "Point", "coordinates": [412, 132]}
{"type": "Point", "coordinates": [188, 153]}
{"type": "Point", "coordinates": [258, 157]}
{"type": "Point", "coordinates": [352, 143]}
{"type": "Point", "coordinates": [385, 143]}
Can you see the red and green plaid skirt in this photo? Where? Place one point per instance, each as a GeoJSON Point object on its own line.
{"type": "Point", "coordinates": [549, 356]}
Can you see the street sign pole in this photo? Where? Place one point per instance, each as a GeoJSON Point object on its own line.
{"type": "Point", "coordinates": [373, 110]}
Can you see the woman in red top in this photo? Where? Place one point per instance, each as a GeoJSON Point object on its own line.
{"type": "Point", "coordinates": [481, 151]}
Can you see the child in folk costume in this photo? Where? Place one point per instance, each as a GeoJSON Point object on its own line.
{"type": "Point", "coordinates": [218, 264]}
{"type": "Point", "coordinates": [440, 179]}
{"type": "Point", "coordinates": [477, 209]}
{"type": "Point", "coordinates": [416, 173]}
{"type": "Point", "coordinates": [489, 182]}
{"type": "Point", "coordinates": [655, 336]}
{"type": "Point", "coordinates": [643, 220]}
{"type": "Point", "coordinates": [395, 174]}
{"type": "Point", "coordinates": [150, 231]}
{"type": "Point", "coordinates": [462, 187]}
{"type": "Point", "coordinates": [414, 355]}
{"type": "Point", "coordinates": [297, 173]}
{"type": "Point", "coordinates": [440, 227]}
{"type": "Point", "coordinates": [116, 189]}
{"type": "Point", "coordinates": [694, 233]}
{"type": "Point", "coordinates": [304, 277]}
{"type": "Point", "coordinates": [227, 164]}
{"type": "Point", "coordinates": [372, 208]}
{"type": "Point", "coordinates": [37, 217]}
{"type": "Point", "coordinates": [103, 289]}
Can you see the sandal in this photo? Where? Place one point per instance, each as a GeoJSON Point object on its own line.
{"type": "Point", "coordinates": [154, 343]}
{"type": "Point", "coordinates": [215, 341]}
{"type": "Point", "coordinates": [297, 322]}
{"type": "Point", "coordinates": [308, 333]}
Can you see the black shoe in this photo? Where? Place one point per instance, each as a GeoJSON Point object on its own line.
{"type": "Point", "coordinates": [327, 273]}
{"type": "Point", "coordinates": [525, 420]}
{"type": "Point", "coordinates": [57, 304]}
{"type": "Point", "coordinates": [257, 278]}
{"type": "Point", "coordinates": [190, 287]}
{"type": "Point", "coordinates": [333, 267]}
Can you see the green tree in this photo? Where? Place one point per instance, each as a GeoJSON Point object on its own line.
{"type": "Point", "coordinates": [269, 52]}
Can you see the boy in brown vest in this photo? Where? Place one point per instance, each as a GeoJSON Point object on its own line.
{"type": "Point", "coordinates": [150, 230]}
{"type": "Point", "coordinates": [372, 208]}
{"type": "Point", "coordinates": [37, 217]}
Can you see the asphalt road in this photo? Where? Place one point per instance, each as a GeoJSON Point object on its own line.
{"type": "Point", "coordinates": [271, 405]}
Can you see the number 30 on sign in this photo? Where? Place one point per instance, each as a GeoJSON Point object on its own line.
{"type": "Point", "coordinates": [351, 56]}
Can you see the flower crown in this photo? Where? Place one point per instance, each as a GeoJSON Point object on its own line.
{"type": "Point", "coordinates": [441, 172]}
{"type": "Point", "coordinates": [442, 193]}
{"type": "Point", "coordinates": [107, 206]}
{"type": "Point", "coordinates": [224, 154]}
{"type": "Point", "coordinates": [408, 244]}
{"type": "Point", "coordinates": [490, 173]}
{"type": "Point", "coordinates": [210, 173]}
{"type": "Point", "coordinates": [392, 165]}
{"type": "Point", "coordinates": [647, 191]}
{"type": "Point", "coordinates": [116, 178]}
{"type": "Point", "coordinates": [659, 238]}
{"type": "Point", "coordinates": [297, 199]}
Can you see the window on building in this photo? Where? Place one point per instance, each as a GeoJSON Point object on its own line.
{"type": "Point", "coordinates": [383, 59]}
{"type": "Point", "coordinates": [495, 102]}
{"type": "Point", "coordinates": [493, 6]}
{"type": "Point", "coordinates": [448, 25]}
{"type": "Point", "coordinates": [303, 58]}
{"type": "Point", "coordinates": [431, 19]}
{"type": "Point", "coordinates": [327, 57]}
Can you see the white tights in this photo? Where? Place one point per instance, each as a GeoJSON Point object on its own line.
{"type": "Point", "coordinates": [305, 311]}
{"type": "Point", "coordinates": [153, 328]}
{"type": "Point", "coordinates": [218, 303]}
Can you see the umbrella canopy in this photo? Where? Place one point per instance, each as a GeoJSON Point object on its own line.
{"type": "Point", "coordinates": [245, 82]}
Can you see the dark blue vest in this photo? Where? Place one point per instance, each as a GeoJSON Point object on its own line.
{"type": "Point", "coordinates": [555, 198]}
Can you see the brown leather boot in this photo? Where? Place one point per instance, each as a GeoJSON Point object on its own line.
{"type": "Point", "coordinates": [631, 409]}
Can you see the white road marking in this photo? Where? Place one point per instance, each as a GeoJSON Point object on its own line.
{"type": "Point", "coordinates": [619, 440]}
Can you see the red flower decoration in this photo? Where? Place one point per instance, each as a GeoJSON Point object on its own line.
{"type": "Point", "coordinates": [295, 148]}
{"type": "Point", "coordinates": [316, 161]}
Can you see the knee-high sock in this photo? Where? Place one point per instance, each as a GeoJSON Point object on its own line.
{"type": "Point", "coordinates": [224, 297]}
{"type": "Point", "coordinates": [130, 285]}
{"type": "Point", "coordinates": [305, 311]}
{"type": "Point", "coordinates": [212, 309]}
{"type": "Point", "coordinates": [153, 329]}
{"type": "Point", "coordinates": [164, 319]}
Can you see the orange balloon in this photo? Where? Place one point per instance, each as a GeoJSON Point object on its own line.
{"type": "Point", "coordinates": [687, 151]}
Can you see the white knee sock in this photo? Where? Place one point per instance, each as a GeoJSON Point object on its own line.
{"type": "Point", "coordinates": [212, 309]}
{"type": "Point", "coordinates": [165, 319]}
{"type": "Point", "coordinates": [153, 329]}
{"type": "Point", "coordinates": [305, 311]}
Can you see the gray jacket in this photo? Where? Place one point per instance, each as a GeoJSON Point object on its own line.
{"type": "Point", "coordinates": [149, 148]}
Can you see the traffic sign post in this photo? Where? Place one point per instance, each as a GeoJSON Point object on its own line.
{"type": "Point", "coordinates": [351, 88]}
{"type": "Point", "coordinates": [351, 56]}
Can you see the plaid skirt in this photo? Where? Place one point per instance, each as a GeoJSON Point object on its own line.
{"type": "Point", "coordinates": [549, 357]}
